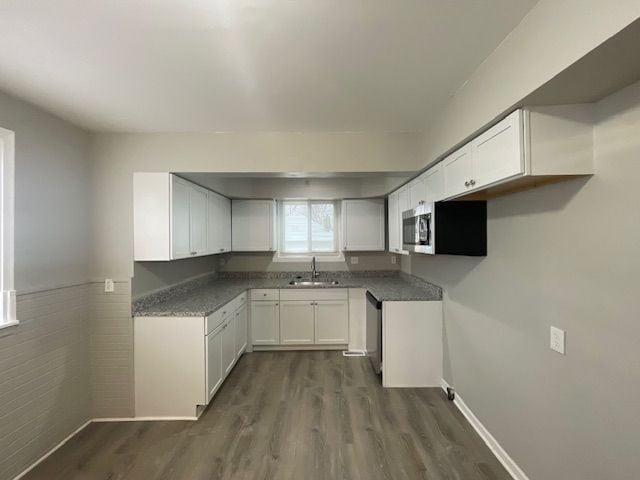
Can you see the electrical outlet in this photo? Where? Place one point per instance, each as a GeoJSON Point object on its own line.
{"type": "Point", "coordinates": [393, 259]}
{"type": "Point", "coordinates": [108, 285]}
{"type": "Point", "coordinates": [354, 260]}
{"type": "Point", "coordinates": [557, 340]}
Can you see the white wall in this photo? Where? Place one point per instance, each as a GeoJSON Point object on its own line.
{"type": "Point", "coordinates": [551, 37]}
{"type": "Point", "coordinates": [52, 207]}
{"type": "Point", "coordinates": [116, 156]}
{"type": "Point", "coordinates": [563, 255]}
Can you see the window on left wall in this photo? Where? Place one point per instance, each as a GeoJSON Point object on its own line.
{"type": "Point", "coordinates": [7, 291]}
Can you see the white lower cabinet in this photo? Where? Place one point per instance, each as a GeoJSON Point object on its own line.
{"type": "Point", "coordinates": [265, 322]}
{"type": "Point", "coordinates": [180, 362]}
{"type": "Point", "coordinates": [332, 321]}
{"type": "Point", "coordinates": [228, 344]}
{"type": "Point", "coordinates": [300, 317]}
{"type": "Point", "coordinates": [241, 325]}
{"type": "Point", "coordinates": [215, 375]}
{"type": "Point", "coordinates": [296, 322]}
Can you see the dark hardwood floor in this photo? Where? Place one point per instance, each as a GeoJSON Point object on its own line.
{"type": "Point", "coordinates": [289, 415]}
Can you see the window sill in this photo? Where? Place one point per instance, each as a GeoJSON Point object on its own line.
{"type": "Point", "coordinates": [278, 258]}
{"type": "Point", "coordinates": [12, 323]}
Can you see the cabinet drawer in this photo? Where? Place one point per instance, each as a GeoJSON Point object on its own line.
{"type": "Point", "coordinates": [265, 294]}
{"type": "Point", "coordinates": [314, 294]}
{"type": "Point", "coordinates": [214, 320]}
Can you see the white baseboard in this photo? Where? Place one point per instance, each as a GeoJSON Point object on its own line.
{"type": "Point", "coordinates": [50, 452]}
{"type": "Point", "coordinates": [500, 453]}
{"type": "Point", "coordinates": [143, 419]}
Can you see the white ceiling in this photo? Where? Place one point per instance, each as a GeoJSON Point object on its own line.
{"type": "Point", "coordinates": [247, 65]}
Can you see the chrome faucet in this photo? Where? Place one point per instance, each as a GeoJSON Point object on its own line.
{"type": "Point", "coordinates": [314, 272]}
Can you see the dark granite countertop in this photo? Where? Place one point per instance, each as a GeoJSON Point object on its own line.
{"type": "Point", "coordinates": [202, 297]}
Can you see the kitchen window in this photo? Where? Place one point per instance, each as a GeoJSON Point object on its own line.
{"type": "Point", "coordinates": [308, 228]}
{"type": "Point", "coordinates": [7, 292]}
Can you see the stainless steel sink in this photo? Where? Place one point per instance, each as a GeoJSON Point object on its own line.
{"type": "Point", "coordinates": [313, 283]}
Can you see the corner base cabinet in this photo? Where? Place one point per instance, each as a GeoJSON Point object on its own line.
{"type": "Point", "coordinates": [181, 362]}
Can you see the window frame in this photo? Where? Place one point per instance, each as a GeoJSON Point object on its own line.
{"type": "Point", "coordinates": [7, 208]}
{"type": "Point", "coordinates": [333, 256]}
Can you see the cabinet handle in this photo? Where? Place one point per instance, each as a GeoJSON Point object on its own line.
{"type": "Point", "coordinates": [193, 253]}
{"type": "Point", "coordinates": [472, 182]}
{"type": "Point", "coordinates": [222, 249]}
{"type": "Point", "coordinates": [466, 184]}
{"type": "Point", "coordinates": [277, 304]}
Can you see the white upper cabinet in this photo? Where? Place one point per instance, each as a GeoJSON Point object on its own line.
{"type": "Point", "coordinates": [458, 172]}
{"type": "Point", "coordinates": [394, 223]}
{"type": "Point", "coordinates": [219, 223]}
{"type": "Point", "coordinates": [198, 220]}
{"type": "Point", "coordinates": [534, 145]}
{"type": "Point", "coordinates": [498, 154]}
{"type": "Point", "coordinates": [363, 225]}
{"type": "Point", "coordinates": [417, 192]}
{"type": "Point", "coordinates": [253, 225]}
{"type": "Point", "coordinates": [172, 218]}
{"type": "Point", "coordinates": [433, 180]}
{"type": "Point", "coordinates": [180, 217]}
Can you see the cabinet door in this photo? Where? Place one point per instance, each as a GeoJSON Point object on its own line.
{"type": "Point", "coordinates": [434, 184]}
{"type": "Point", "coordinates": [253, 225]}
{"type": "Point", "coordinates": [228, 345]}
{"type": "Point", "coordinates": [458, 172]}
{"type": "Point", "coordinates": [180, 198]}
{"type": "Point", "coordinates": [403, 206]}
{"type": "Point", "coordinates": [394, 224]}
{"type": "Point", "coordinates": [198, 220]}
{"type": "Point", "coordinates": [417, 194]}
{"type": "Point", "coordinates": [296, 322]}
{"type": "Point", "coordinates": [498, 152]}
{"type": "Point", "coordinates": [225, 222]}
{"type": "Point", "coordinates": [265, 323]}
{"type": "Point", "coordinates": [241, 330]}
{"type": "Point", "coordinates": [332, 321]}
{"type": "Point", "coordinates": [219, 223]}
{"type": "Point", "coordinates": [214, 363]}
{"type": "Point", "coordinates": [363, 225]}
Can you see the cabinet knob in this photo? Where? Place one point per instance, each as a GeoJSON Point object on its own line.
{"type": "Point", "coordinates": [277, 304]}
{"type": "Point", "coordinates": [193, 253]}
{"type": "Point", "coordinates": [466, 184]}
{"type": "Point", "coordinates": [222, 249]}
{"type": "Point", "coordinates": [472, 182]}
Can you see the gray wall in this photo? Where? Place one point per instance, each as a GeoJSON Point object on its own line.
{"type": "Point", "coordinates": [152, 276]}
{"type": "Point", "coordinates": [45, 370]}
{"type": "Point", "coordinates": [52, 206]}
{"type": "Point", "coordinates": [563, 255]}
{"type": "Point", "coordinates": [263, 262]}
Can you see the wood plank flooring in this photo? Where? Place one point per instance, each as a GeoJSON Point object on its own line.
{"type": "Point", "coordinates": [289, 415]}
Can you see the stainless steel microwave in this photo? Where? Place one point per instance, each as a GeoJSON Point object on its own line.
{"type": "Point", "coordinates": [418, 229]}
{"type": "Point", "coordinates": [449, 228]}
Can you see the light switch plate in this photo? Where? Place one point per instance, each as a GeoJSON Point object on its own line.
{"type": "Point", "coordinates": [108, 285]}
{"type": "Point", "coordinates": [557, 340]}
{"type": "Point", "coordinates": [354, 260]}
